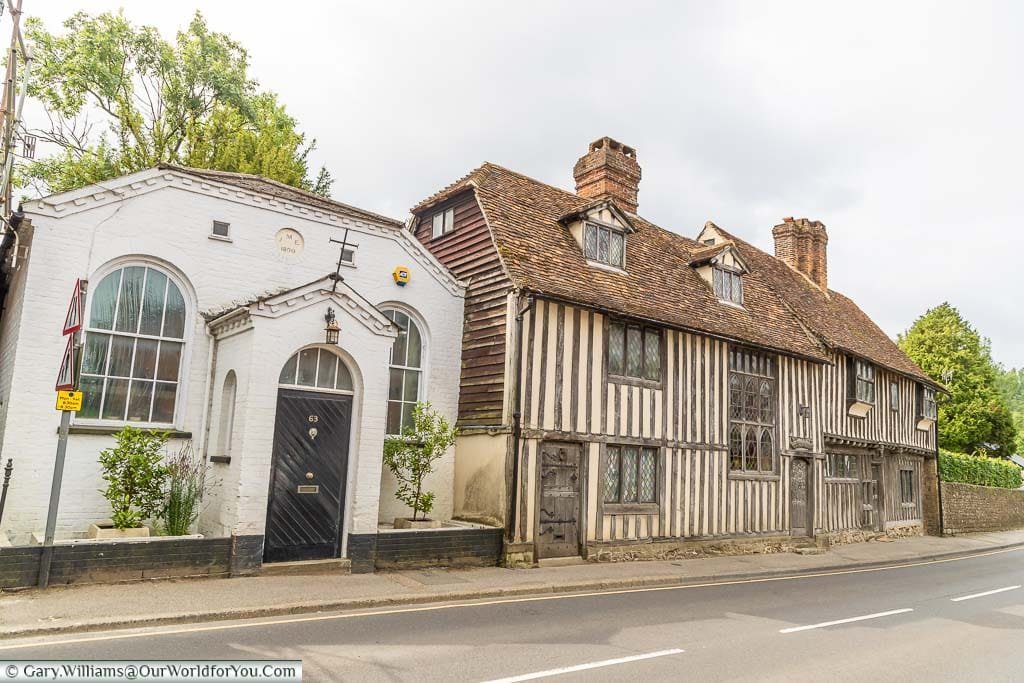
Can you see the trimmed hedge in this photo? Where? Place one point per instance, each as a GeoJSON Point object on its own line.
{"type": "Point", "coordinates": [979, 470]}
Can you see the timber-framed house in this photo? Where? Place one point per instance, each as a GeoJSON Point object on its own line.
{"type": "Point", "coordinates": [628, 391]}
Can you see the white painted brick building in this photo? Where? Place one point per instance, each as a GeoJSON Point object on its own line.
{"type": "Point", "coordinates": [275, 259]}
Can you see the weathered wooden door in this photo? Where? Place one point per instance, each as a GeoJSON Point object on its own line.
{"type": "Point", "coordinates": [307, 482]}
{"type": "Point", "coordinates": [872, 503]}
{"type": "Point", "coordinates": [558, 528]}
{"type": "Point", "coordinates": [799, 497]}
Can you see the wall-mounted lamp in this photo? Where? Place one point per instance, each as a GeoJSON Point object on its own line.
{"type": "Point", "coordinates": [804, 411]}
{"type": "Point", "coordinates": [331, 330]}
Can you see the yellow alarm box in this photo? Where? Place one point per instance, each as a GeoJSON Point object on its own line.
{"type": "Point", "coordinates": [401, 275]}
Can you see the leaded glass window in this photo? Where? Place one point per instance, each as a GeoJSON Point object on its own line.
{"type": "Point", "coordinates": [404, 388]}
{"type": "Point", "coordinates": [842, 466]}
{"type": "Point", "coordinates": [894, 395]}
{"type": "Point", "coordinates": [604, 244]}
{"type": "Point", "coordinates": [929, 409]}
{"type": "Point", "coordinates": [634, 351]}
{"type": "Point", "coordinates": [864, 389]}
{"type": "Point", "coordinates": [907, 487]}
{"type": "Point", "coordinates": [630, 474]}
{"type": "Point", "coordinates": [728, 285]}
{"type": "Point", "coordinates": [752, 412]}
{"type": "Point", "coordinates": [133, 347]}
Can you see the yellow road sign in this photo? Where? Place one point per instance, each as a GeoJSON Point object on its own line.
{"type": "Point", "coordinates": [69, 400]}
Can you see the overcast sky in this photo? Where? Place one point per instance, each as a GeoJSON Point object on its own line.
{"type": "Point", "coordinates": [896, 124]}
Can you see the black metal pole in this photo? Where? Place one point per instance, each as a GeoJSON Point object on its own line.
{"type": "Point", "coordinates": [7, 481]}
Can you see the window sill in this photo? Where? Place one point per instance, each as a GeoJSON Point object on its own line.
{"type": "Point", "coordinates": [908, 505]}
{"type": "Point", "coordinates": [631, 508]}
{"type": "Point", "coordinates": [843, 480]}
{"type": "Point", "coordinates": [220, 238]}
{"type": "Point", "coordinates": [751, 476]}
{"type": "Point", "coordinates": [857, 408]}
{"type": "Point", "coordinates": [634, 381]}
{"type": "Point", "coordinates": [605, 266]}
{"type": "Point", "coordinates": [103, 430]}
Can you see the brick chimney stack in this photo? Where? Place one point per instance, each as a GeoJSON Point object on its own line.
{"type": "Point", "coordinates": [609, 171]}
{"type": "Point", "coordinates": [801, 243]}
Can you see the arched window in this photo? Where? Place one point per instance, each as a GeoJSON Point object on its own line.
{"type": "Point", "coordinates": [318, 369]}
{"type": "Point", "coordinates": [227, 414]}
{"type": "Point", "coordinates": [406, 372]}
{"type": "Point", "coordinates": [133, 347]}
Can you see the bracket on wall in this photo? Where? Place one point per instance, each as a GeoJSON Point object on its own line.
{"type": "Point", "coordinates": [800, 443]}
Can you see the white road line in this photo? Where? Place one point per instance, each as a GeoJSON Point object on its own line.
{"type": "Point", "coordinates": [584, 667]}
{"type": "Point", "coordinates": [981, 595]}
{"type": "Point", "coordinates": [876, 615]}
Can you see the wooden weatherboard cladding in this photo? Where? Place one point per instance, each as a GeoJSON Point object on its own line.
{"type": "Point", "coordinates": [469, 252]}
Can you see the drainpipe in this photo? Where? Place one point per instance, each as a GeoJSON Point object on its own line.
{"type": "Point", "coordinates": [938, 477]}
{"type": "Point", "coordinates": [517, 422]}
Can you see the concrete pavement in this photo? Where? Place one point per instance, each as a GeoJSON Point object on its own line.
{"type": "Point", "coordinates": [955, 619]}
{"type": "Point", "coordinates": [98, 607]}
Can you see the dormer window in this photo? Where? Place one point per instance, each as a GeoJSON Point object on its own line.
{"type": "Point", "coordinates": [604, 244]}
{"type": "Point", "coordinates": [443, 223]}
{"type": "Point", "coordinates": [728, 285]}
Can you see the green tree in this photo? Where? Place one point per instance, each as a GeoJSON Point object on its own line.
{"type": "Point", "coordinates": [974, 417]}
{"type": "Point", "coordinates": [1011, 384]}
{"type": "Point", "coordinates": [411, 456]}
{"type": "Point", "coordinates": [119, 98]}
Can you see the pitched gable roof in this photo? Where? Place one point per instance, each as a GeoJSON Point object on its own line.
{"type": "Point", "coordinates": [782, 309]}
{"type": "Point", "coordinates": [835, 318]}
{"type": "Point", "coordinates": [255, 183]}
{"type": "Point", "coordinates": [541, 256]}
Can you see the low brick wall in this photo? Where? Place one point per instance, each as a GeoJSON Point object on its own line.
{"type": "Point", "coordinates": [115, 561]}
{"type": "Point", "coordinates": [967, 508]}
{"type": "Point", "coordinates": [409, 548]}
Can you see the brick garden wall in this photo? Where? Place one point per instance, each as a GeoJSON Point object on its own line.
{"type": "Point", "coordinates": [967, 508]}
{"type": "Point", "coordinates": [424, 548]}
{"type": "Point", "coordinates": [118, 561]}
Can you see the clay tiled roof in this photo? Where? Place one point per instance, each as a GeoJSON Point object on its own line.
{"type": "Point", "coordinates": [833, 317]}
{"type": "Point", "coordinates": [781, 308]}
{"type": "Point", "coordinates": [541, 256]}
{"type": "Point", "coordinates": [255, 183]}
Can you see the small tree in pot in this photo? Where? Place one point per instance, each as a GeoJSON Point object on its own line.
{"type": "Point", "coordinates": [411, 457]}
{"type": "Point", "coordinates": [135, 477]}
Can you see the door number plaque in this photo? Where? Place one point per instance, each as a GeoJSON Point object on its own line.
{"type": "Point", "coordinates": [308, 488]}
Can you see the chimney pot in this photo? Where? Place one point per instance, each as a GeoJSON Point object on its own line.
{"type": "Point", "coordinates": [609, 170]}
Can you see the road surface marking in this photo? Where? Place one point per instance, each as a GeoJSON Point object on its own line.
{"type": "Point", "coordinates": [584, 667]}
{"type": "Point", "coordinates": [981, 595]}
{"type": "Point", "coordinates": [456, 605]}
{"type": "Point", "coordinates": [876, 615]}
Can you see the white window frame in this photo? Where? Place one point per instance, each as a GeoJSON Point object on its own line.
{"type": "Point", "coordinates": [424, 367]}
{"type": "Point", "coordinates": [442, 223]}
{"type": "Point", "coordinates": [226, 237]}
{"type": "Point", "coordinates": [187, 340]}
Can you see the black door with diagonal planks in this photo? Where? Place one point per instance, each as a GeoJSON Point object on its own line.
{"type": "Point", "coordinates": [307, 482]}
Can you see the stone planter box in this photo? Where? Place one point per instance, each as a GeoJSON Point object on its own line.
{"type": "Point", "coordinates": [107, 530]}
{"type": "Point", "coordinates": [406, 523]}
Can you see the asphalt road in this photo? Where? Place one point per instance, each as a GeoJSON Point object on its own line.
{"type": "Point", "coordinates": [924, 622]}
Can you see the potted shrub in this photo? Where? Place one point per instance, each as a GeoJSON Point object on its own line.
{"type": "Point", "coordinates": [186, 477]}
{"type": "Point", "coordinates": [135, 476]}
{"type": "Point", "coordinates": [411, 457]}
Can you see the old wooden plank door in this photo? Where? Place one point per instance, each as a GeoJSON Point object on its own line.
{"type": "Point", "coordinates": [558, 518]}
{"type": "Point", "coordinates": [799, 497]}
{"type": "Point", "coordinates": [872, 504]}
{"type": "Point", "coordinates": [307, 482]}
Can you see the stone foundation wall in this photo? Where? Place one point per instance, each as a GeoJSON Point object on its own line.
{"type": "Point", "coordinates": [967, 508]}
{"type": "Point", "coordinates": [674, 549]}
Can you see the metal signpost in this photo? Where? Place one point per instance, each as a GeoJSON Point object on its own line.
{"type": "Point", "coordinates": [69, 399]}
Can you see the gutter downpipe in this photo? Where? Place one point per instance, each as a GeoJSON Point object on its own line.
{"type": "Point", "coordinates": [517, 422]}
{"type": "Point", "coordinates": [938, 477]}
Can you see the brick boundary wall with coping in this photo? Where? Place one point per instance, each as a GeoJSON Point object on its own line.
{"type": "Point", "coordinates": [967, 508]}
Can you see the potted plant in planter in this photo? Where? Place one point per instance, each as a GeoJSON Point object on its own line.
{"type": "Point", "coordinates": [186, 478]}
{"type": "Point", "coordinates": [411, 457]}
{"type": "Point", "coordinates": [135, 477]}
